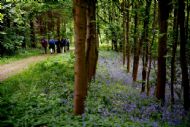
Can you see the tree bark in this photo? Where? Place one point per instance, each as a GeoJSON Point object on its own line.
{"type": "Point", "coordinates": [146, 44]}
{"type": "Point", "coordinates": [58, 27]}
{"type": "Point", "coordinates": [32, 34]}
{"type": "Point", "coordinates": [135, 58]}
{"type": "Point", "coordinates": [92, 51]}
{"type": "Point", "coordinates": [80, 91]}
{"type": "Point", "coordinates": [174, 47]}
{"type": "Point", "coordinates": [183, 60]}
{"type": "Point", "coordinates": [58, 35]}
{"type": "Point", "coordinates": [162, 49]}
{"type": "Point", "coordinates": [127, 39]}
{"type": "Point", "coordinates": [124, 31]}
{"type": "Point", "coordinates": [187, 20]}
{"type": "Point", "coordinates": [150, 48]}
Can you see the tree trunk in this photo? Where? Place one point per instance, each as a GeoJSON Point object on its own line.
{"type": "Point", "coordinates": [92, 51]}
{"type": "Point", "coordinates": [58, 27]}
{"type": "Point", "coordinates": [32, 34]}
{"type": "Point", "coordinates": [183, 60]}
{"type": "Point", "coordinates": [187, 21]}
{"type": "Point", "coordinates": [80, 91]}
{"type": "Point", "coordinates": [135, 59]}
{"type": "Point", "coordinates": [162, 49]}
{"type": "Point", "coordinates": [146, 44]}
{"type": "Point", "coordinates": [127, 39]}
{"type": "Point", "coordinates": [124, 31]}
{"type": "Point", "coordinates": [58, 35]}
{"type": "Point", "coordinates": [174, 47]}
{"type": "Point", "coordinates": [150, 48]}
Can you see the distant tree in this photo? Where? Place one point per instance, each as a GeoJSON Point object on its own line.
{"type": "Point", "coordinates": [164, 8]}
{"type": "Point", "coordinates": [128, 44]}
{"type": "Point", "coordinates": [145, 40]}
{"type": "Point", "coordinates": [183, 60]}
{"type": "Point", "coordinates": [154, 24]}
{"type": "Point", "coordinates": [174, 48]}
{"type": "Point", "coordinates": [135, 46]}
{"type": "Point", "coordinates": [123, 4]}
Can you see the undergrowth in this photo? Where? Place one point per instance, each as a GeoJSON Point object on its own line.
{"type": "Point", "coordinates": [43, 97]}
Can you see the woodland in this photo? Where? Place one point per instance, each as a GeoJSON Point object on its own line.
{"type": "Point", "coordinates": [128, 64]}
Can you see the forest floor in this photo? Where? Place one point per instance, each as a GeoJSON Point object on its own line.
{"type": "Point", "coordinates": [115, 73]}
{"type": "Point", "coordinates": [7, 70]}
{"type": "Point", "coordinates": [43, 96]}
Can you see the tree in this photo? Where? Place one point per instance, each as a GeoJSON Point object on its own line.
{"type": "Point", "coordinates": [92, 49]}
{"type": "Point", "coordinates": [174, 47]}
{"type": "Point", "coordinates": [128, 46]}
{"type": "Point", "coordinates": [136, 57]}
{"type": "Point", "coordinates": [145, 40]}
{"type": "Point", "coordinates": [183, 60]}
{"type": "Point", "coordinates": [154, 24]}
{"type": "Point", "coordinates": [124, 30]}
{"type": "Point", "coordinates": [164, 8]}
{"type": "Point", "coordinates": [80, 92]}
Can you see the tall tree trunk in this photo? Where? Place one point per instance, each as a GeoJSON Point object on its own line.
{"type": "Point", "coordinates": [124, 31]}
{"type": "Point", "coordinates": [162, 49]}
{"type": "Point", "coordinates": [187, 20]}
{"type": "Point", "coordinates": [150, 48]}
{"type": "Point", "coordinates": [146, 44]}
{"type": "Point", "coordinates": [80, 91]}
{"type": "Point", "coordinates": [51, 23]}
{"type": "Point", "coordinates": [174, 47]}
{"type": "Point", "coordinates": [187, 32]}
{"type": "Point", "coordinates": [92, 51]}
{"type": "Point", "coordinates": [127, 39]}
{"type": "Point", "coordinates": [58, 27]}
{"type": "Point", "coordinates": [183, 60]}
{"type": "Point", "coordinates": [58, 35]}
{"type": "Point", "coordinates": [135, 58]}
{"type": "Point", "coordinates": [32, 34]}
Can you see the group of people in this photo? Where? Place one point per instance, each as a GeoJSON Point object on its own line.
{"type": "Point", "coordinates": [55, 45]}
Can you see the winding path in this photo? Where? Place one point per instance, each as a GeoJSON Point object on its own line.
{"type": "Point", "coordinates": [13, 68]}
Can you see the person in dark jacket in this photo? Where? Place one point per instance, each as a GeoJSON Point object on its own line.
{"type": "Point", "coordinates": [44, 45]}
{"type": "Point", "coordinates": [67, 44]}
{"type": "Point", "coordinates": [58, 45]}
{"type": "Point", "coordinates": [52, 46]}
{"type": "Point", "coordinates": [63, 45]}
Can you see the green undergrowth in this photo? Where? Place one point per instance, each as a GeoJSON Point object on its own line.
{"type": "Point", "coordinates": [42, 96]}
{"type": "Point", "coordinates": [22, 53]}
{"type": "Point", "coordinates": [104, 47]}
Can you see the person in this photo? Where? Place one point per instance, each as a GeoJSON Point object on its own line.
{"type": "Point", "coordinates": [44, 45]}
{"type": "Point", "coordinates": [58, 43]}
{"type": "Point", "coordinates": [67, 44]}
{"type": "Point", "coordinates": [63, 45]}
{"type": "Point", "coordinates": [52, 46]}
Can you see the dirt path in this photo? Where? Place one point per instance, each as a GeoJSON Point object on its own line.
{"type": "Point", "coordinates": [13, 68]}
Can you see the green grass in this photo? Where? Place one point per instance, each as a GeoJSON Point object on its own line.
{"type": "Point", "coordinates": [22, 53]}
{"type": "Point", "coordinates": [104, 47]}
{"type": "Point", "coordinates": [38, 95]}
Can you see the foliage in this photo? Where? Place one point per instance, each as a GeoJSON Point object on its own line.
{"type": "Point", "coordinates": [1, 15]}
{"type": "Point", "coordinates": [16, 31]}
